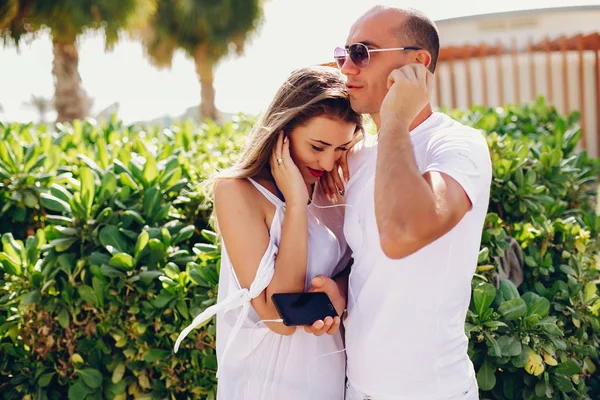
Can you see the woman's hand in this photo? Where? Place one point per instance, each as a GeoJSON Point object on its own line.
{"type": "Point", "coordinates": [287, 175]}
{"type": "Point", "coordinates": [332, 182]}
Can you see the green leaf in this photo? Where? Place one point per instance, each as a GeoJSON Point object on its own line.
{"type": "Point", "coordinates": [127, 180]}
{"type": "Point", "coordinates": [110, 272]}
{"type": "Point", "coordinates": [483, 296]}
{"type": "Point", "coordinates": [108, 186]}
{"type": "Point", "coordinates": [541, 389]}
{"type": "Point", "coordinates": [495, 324]}
{"type": "Point", "coordinates": [210, 236]}
{"type": "Point", "coordinates": [11, 266]}
{"type": "Point", "coordinates": [112, 239]}
{"type": "Point", "coordinates": [102, 153]}
{"type": "Point", "coordinates": [87, 294]}
{"type": "Point", "coordinates": [493, 346]}
{"type": "Point", "coordinates": [141, 243]}
{"type": "Point", "coordinates": [483, 256]}
{"type": "Point", "coordinates": [172, 271]}
{"type": "Point", "coordinates": [513, 309]}
{"type": "Point", "coordinates": [88, 189]}
{"type": "Point", "coordinates": [63, 318]}
{"type": "Point", "coordinates": [205, 248]}
{"type": "Point", "coordinates": [7, 155]}
{"type": "Point", "coordinates": [91, 377]}
{"type": "Point", "coordinates": [150, 171]}
{"type": "Point", "coordinates": [468, 327]}
{"type": "Point", "coordinates": [98, 287]}
{"type": "Point", "coordinates": [151, 203]}
{"type": "Point", "coordinates": [148, 276]}
{"type": "Point", "coordinates": [12, 248]}
{"type": "Point", "coordinates": [59, 220]}
{"type": "Point", "coordinates": [157, 252]}
{"type": "Point", "coordinates": [54, 203]}
{"type": "Point", "coordinates": [563, 383]}
{"type": "Point", "coordinates": [155, 354]}
{"type": "Point", "coordinates": [32, 297]}
{"type": "Point", "coordinates": [122, 260]}
{"type": "Point", "coordinates": [509, 346]}
{"type": "Point", "coordinates": [538, 306]}
{"type": "Point", "coordinates": [589, 292]}
{"type": "Point", "coordinates": [45, 379]}
{"type": "Point", "coordinates": [184, 234]}
{"type": "Point", "coordinates": [78, 390]}
{"type": "Point", "coordinates": [548, 324]}
{"type": "Point", "coordinates": [62, 244]}
{"type": "Point", "coordinates": [568, 367]}
{"type": "Point", "coordinates": [486, 378]}
{"type": "Point", "coordinates": [165, 237]}
{"type": "Point", "coordinates": [521, 359]}
{"type": "Point", "coordinates": [118, 373]}
{"type": "Point", "coordinates": [90, 164]}
{"type": "Point", "coordinates": [568, 270]}
{"type": "Point", "coordinates": [60, 192]}
{"type": "Point", "coordinates": [162, 300]}
{"type": "Point", "coordinates": [182, 307]}
{"type": "Point", "coordinates": [509, 290]}
{"type": "Point", "coordinates": [136, 216]}
{"type": "Point", "coordinates": [98, 258]}
{"type": "Point", "coordinates": [171, 178]}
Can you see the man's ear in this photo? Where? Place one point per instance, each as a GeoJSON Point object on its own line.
{"type": "Point", "coordinates": [423, 57]}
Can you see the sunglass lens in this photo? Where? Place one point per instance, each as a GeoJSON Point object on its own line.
{"type": "Point", "coordinates": [359, 54]}
{"type": "Point", "coordinates": [339, 54]}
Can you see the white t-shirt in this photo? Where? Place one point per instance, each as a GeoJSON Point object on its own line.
{"type": "Point", "coordinates": [405, 333]}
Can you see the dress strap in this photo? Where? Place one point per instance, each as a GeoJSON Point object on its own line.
{"type": "Point", "coordinates": [267, 193]}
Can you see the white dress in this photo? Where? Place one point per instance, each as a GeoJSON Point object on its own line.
{"type": "Point", "coordinates": [256, 363]}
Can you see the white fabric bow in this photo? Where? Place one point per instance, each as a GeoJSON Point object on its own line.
{"type": "Point", "coordinates": [239, 298]}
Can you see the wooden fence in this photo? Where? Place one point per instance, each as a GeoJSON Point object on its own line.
{"type": "Point", "coordinates": [566, 71]}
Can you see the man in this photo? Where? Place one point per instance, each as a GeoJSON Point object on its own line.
{"type": "Point", "coordinates": [418, 197]}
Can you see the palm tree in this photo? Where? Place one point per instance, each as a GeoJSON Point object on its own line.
{"type": "Point", "coordinates": [206, 30]}
{"type": "Point", "coordinates": [66, 20]}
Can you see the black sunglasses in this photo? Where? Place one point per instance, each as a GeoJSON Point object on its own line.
{"type": "Point", "coordinates": [360, 54]}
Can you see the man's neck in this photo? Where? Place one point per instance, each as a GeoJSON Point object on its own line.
{"type": "Point", "coordinates": [421, 116]}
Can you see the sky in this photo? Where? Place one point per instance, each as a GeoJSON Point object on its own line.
{"type": "Point", "coordinates": [294, 33]}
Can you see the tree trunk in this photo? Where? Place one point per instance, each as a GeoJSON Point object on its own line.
{"type": "Point", "coordinates": [70, 100]}
{"type": "Point", "coordinates": [204, 69]}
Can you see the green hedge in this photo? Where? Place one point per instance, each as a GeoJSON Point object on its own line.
{"type": "Point", "coordinates": [541, 340]}
{"type": "Point", "coordinates": [107, 254]}
{"type": "Point", "coordinates": [106, 259]}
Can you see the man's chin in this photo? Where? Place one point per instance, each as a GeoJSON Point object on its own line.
{"type": "Point", "coordinates": [359, 106]}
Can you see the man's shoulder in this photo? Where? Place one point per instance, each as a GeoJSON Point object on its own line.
{"type": "Point", "coordinates": [450, 131]}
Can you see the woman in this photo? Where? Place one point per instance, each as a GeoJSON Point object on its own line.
{"type": "Point", "coordinates": [276, 239]}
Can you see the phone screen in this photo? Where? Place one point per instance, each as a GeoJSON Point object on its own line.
{"type": "Point", "coordinates": [303, 308]}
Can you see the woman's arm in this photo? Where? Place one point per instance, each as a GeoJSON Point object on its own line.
{"type": "Point", "coordinates": [242, 223]}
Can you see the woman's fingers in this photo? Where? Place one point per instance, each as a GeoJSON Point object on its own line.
{"type": "Point", "coordinates": [337, 179]}
{"type": "Point", "coordinates": [285, 150]}
{"type": "Point", "coordinates": [330, 185]}
{"type": "Point", "coordinates": [343, 162]}
{"type": "Point", "coordinates": [335, 326]}
{"type": "Point", "coordinates": [276, 154]}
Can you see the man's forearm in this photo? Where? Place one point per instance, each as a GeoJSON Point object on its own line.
{"type": "Point", "coordinates": [404, 202]}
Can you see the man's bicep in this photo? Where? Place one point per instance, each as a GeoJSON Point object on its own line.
{"type": "Point", "coordinates": [466, 160]}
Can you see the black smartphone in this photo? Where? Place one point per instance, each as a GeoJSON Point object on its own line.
{"type": "Point", "coordinates": [297, 309]}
